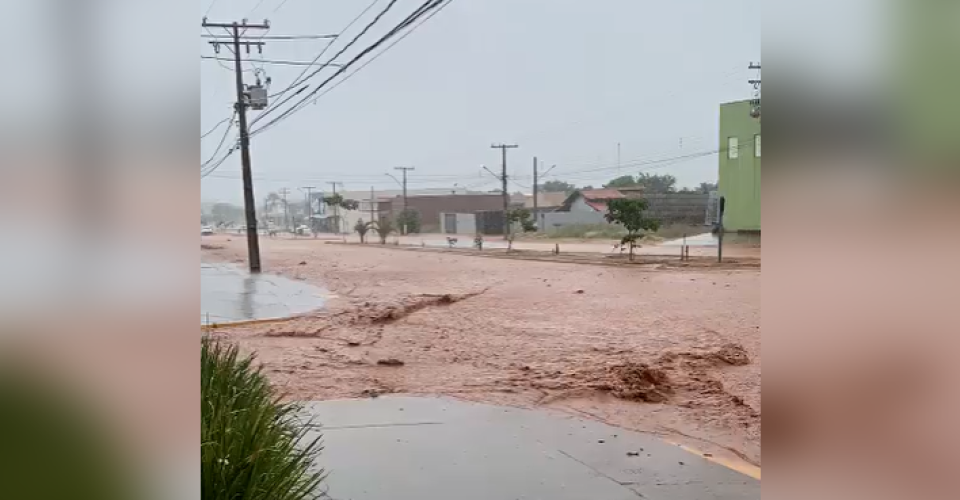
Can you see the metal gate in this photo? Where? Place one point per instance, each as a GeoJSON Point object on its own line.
{"type": "Point", "coordinates": [450, 223]}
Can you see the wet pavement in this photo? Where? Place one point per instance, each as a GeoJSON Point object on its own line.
{"type": "Point", "coordinates": [439, 448]}
{"type": "Point", "coordinates": [229, 293]}
{"type": "Point", "coordinates": [697, 240]}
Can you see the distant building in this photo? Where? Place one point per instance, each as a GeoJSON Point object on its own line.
{"type": "Point", "coordinates": [740, 166]}
{"type": "Point", "coordinates": [590, 201]}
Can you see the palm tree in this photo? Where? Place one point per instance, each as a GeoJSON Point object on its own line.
{"type": "Point", "coordinates": [362, 228]}
{"type": "Point", "coordinates": [383, 229]}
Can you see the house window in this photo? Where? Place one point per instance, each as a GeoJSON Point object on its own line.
{"type": "Point", "coordinates": [756, 145]}
{"type": "Point", "coordinates": [733, 148]}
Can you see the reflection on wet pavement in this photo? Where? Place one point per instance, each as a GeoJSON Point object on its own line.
{"type": "Point", "coordinates": [230, 293]}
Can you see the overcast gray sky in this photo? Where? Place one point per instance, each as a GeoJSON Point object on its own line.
{"type": "Point", "coordinates": [566, 80]}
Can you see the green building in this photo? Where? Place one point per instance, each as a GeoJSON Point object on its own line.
{"type": "Point", "coordinates": [739, 180]}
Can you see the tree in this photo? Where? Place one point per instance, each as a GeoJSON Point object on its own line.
{"type": "Point", "coordinates": [362, 228]}
{"type": "Point", "coordinates": [622, 181]}
{"type": "Point", "coordinates": [226, 213]}
{"type": "Point", "coordinates": [384, 228]}
{"type": "Point", "coordinates": [628, 212]}
{"type": "Point", "coordinates": [557, 187]}
{"type": "Point", "coordinates": [409, 221]}
{"type": "Point", "coordinates": [523, 217]}
{"type": "Point", "coordinates": [657, 183]}
{"type": "Point", "coordinates": [707, 187]}
{"type": "Point", "coordinates": [337, 200]}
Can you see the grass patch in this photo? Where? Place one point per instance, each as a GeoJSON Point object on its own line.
{"type": "Point", "coordinates": [252, 446]}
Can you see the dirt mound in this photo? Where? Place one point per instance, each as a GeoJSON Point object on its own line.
{"type": "Point", "coordinates": [732, 354]}
{"type": "Point", "coordinates": [358, 320]}
{"type": "Point", "coordinates": [391, 313]}
{"type": "Point", "coordinates": [207, 246]}
{"type": "Point", "coordinates": [639, 382]}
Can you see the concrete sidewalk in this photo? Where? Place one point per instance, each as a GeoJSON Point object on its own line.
{"type": "Point", "coordinates": [439, 449]}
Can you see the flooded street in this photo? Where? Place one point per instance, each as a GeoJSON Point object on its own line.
{"type": "Point", "coordinates": [229, 293]}
{"type": "Point", "coordinates": [674, 352]}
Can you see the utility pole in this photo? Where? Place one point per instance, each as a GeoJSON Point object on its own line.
{"type": "Point", "coordinates": [373, 204]}
{"type": "Point", "coordinates": [755, 104]}
{"type": "Point", "coordinates": [404, 170]}
{"type": "Point", "coordinates": [536, 186]}
{"type": "Point", "coordinates": [503, 178]}
{"type": "Point", "coordinates": [286, 212]}
{"type": "Point", "coordinates": [336, 207]}
{"type": "Point", "coordinates": [309, 191]}
{"type": "Point", "coordinates": [249, 202]}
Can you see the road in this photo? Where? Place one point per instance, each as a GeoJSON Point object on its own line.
{"type": "Point", "coordinates": [583, 339]}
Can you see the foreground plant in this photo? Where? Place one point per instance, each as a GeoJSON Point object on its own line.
{"type": "Point", "coordinates": [252, 446]}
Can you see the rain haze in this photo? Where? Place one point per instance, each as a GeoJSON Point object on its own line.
{"type": "Point", "coordinates": [566, 81]}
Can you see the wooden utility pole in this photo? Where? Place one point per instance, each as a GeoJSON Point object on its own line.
{"type": "Point", "coordinates": [506, 193]}
{"type": "Point", "coordinates": [249, 202]}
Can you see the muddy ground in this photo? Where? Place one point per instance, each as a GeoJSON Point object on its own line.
{"type": "Point", "coordinates": [670, 351]}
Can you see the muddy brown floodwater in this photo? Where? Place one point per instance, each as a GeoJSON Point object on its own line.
{"type": "Point", "coordinates": [672, 352]}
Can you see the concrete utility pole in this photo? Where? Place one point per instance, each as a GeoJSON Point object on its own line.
{"type": "Point", "coordinates": [309, 191]}
{"type": "Point", "coordinates": [373, 204]}
{"type": "Point", "coordinates": [286, 212]}
{"type": "Point", "coordinates": [503, 178]}
{"type": "Point", "coordinates": [755, 108]}
{"type": "Point", "coordinates": [249, 202]}
{"type": "Point", "coordinates": [536, 187]}
{"type": "Point", "coordinates": [336, 208]}
{"type": "Point", "coordinates": [404, 170]}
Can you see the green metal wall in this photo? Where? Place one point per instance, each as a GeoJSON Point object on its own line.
{"type": "Point", "coordinates": [739, 179]}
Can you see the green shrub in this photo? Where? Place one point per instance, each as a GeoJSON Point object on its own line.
{"type": "Point", "coordinates": [409, 221]}
{"type": "Point", "coordinates": [252, 446]}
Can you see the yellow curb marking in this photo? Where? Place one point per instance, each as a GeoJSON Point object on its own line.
{"type": "Point", "coordinates": [736, 465]}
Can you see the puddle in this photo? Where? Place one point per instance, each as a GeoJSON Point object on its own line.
{"type": "Point", "coordinates": [229, 293]}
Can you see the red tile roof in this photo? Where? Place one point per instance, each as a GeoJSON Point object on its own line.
{"type": "Point", "coordinates": [601, 194]}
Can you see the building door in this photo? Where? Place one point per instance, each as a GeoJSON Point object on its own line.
{"type": "Point", "coordinates": [450, 223]}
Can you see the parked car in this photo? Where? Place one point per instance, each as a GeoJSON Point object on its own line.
{"type": "Point", "coordinates": [206, 230]}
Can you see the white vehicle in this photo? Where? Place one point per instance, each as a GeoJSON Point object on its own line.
{"type": "Point", "coordinates": [206, 230]}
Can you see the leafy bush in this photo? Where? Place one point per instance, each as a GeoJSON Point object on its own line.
{"type": "Point", "coordinates": [629, 213]}
{"type": "Point", "coordinates": [252, 446]}
{"type": "Point", "coordinates": [409, 221]}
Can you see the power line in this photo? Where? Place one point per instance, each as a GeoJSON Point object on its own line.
{"type": "Point", "coordinates": [298, 80]}
{"type": "Point", "coordinates": [428, 6]}
{"type": "Point", "coordinates": [222, 141]}
{"type": "Point", "coordinates": [275, 37]}
{"type": "Point", "coordinates": [374, 58]}
{"type": "Point", "coordinates": [212, 3]}
{"type": "Point", "coordinates": [280, 62]}
{"type": "Point", "coordinates": [255, 7]}
{"type": "Point", "coordinates": [346, 47]}
{"type": "Point", "coordinates": [215, 127]}
{"type": "Point", "coordinates": [284, 2]}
